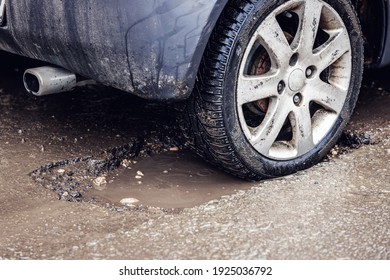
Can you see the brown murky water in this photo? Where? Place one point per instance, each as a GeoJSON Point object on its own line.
{"type": "Point", "coordinates": [170, 180]}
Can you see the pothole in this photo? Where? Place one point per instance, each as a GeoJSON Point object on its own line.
{"type": "Point", "coordinates": [155, 174]}
{"type": "Point", "coordinates": [71, 179]}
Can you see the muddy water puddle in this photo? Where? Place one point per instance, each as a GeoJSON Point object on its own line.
{"type": "Point", "coordinates": [172, 180]}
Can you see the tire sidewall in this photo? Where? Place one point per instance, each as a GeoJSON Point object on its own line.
{"type": "Point", "coordinates": [251, 158]}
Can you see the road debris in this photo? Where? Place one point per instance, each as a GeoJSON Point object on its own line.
{"type": "Point", "coordinates": [99, 181]}
{"type": "Point", "coordinates": [129, 201]}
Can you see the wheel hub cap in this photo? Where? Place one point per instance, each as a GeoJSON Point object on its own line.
{"type": "Point", "coordinates": [305, 56]}
{"type": "Point", "coordinates": [296, 80]}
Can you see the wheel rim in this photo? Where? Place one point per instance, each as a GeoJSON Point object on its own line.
{"type": "Point", "coordinates": [294, 79]}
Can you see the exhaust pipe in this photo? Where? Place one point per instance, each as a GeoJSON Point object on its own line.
{"type": "Point", "coordinates": [48, 80]}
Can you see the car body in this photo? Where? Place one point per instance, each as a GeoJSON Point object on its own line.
{"type": "Point", "coordinates": [150, 48]}
{"type": "Point", "coordinates": [155, 48]}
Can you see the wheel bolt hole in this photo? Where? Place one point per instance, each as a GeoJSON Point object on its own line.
{"type": "Point", "coordinates": [281, 87]}
{"type": "Point", "coordinates": [297, 99]}
{"type": "Point", "coordinates": [294, 59]}
{"type": "Point", "coordinates": [310, 72]}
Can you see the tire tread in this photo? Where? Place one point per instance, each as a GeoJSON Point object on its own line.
{"type": "Point", "coordinates": [208, 134]}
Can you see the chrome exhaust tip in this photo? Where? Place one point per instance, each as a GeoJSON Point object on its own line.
{"type": "Point", "coordinates": [48, 80]}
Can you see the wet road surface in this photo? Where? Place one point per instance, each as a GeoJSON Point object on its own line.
{"type": "Point", "coordinates": [124, 186]}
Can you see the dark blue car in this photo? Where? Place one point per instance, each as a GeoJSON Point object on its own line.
{"type": "Point", "coordinates": [269, 85]}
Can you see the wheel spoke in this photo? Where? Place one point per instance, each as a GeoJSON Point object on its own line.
{"type": "Point", "coordinates": [302, 129]}
{"type": "Point", "coordinates": [253, 88]}
{"type": "Point", "coordinates": [332, 50]}
{"type": "Point", "coordinates": [310, 16]}
{"type": "Point", "coordinates": [275, 42]}
{"type": "Point", "coordinates": [265, 135]}
{"type": "Point", "coordinates": [329, 96]}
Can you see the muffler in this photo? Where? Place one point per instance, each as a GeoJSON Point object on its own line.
{"type": "Point", "coordinates": [48, 80]}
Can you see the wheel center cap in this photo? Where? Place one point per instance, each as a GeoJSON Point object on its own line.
{"type": "Point", "coordinates": [297, 79]}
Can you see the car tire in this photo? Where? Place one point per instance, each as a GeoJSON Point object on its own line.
{"type": "Point", "coordinates": [277, 85]}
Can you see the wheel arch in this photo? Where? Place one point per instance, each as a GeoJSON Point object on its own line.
{"type": "Point", "coordinates": [375, 20]}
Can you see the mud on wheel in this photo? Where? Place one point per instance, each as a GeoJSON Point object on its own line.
{"type": "Point", "coordinates": [278, 83]}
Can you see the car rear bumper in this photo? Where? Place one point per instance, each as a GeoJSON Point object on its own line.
{"type": "Point", "coordinates": [149, 47]}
